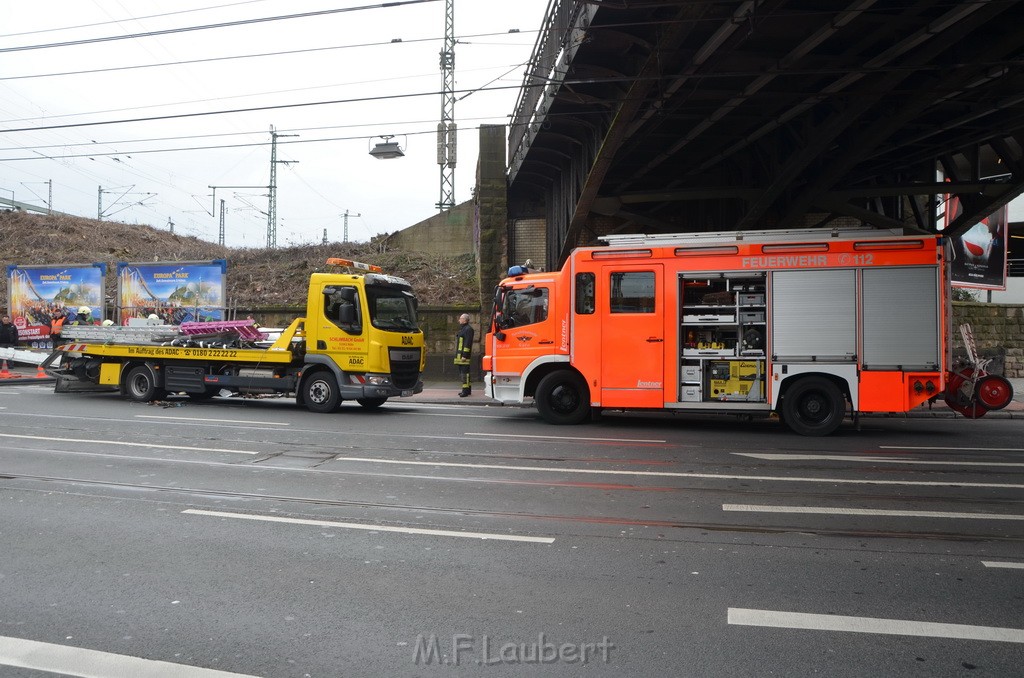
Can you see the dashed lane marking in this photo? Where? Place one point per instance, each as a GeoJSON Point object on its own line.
{"type": "Point", "coordinates": [680, 474]}
{"type": "Point", "coordinates": [374, 528]}
{"type": "Point", "coordinates": [76, 661]}
{"type": "Point", "coordinates": [869, 458]}
{"type": "Point", "coordinates": [893, 627]}
{"type": "Point", "coordinates": [194, 420]}
{"type": "Point", "coordinates": [573, 438]}
{"type": "Point", "coordinates": [954, 449]}
{"type": "Point", "coordinates": [165, 446]}
{"type": "Point", "coordinates": [832, 511]}
{"type": "Point", "coordinates": [1007, 566]}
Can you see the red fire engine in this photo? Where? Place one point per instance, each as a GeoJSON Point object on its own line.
{"type": "Point", "coordinates": [808, 324]}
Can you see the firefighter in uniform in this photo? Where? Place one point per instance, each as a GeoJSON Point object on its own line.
{"type": "Point", "coordinates": [463, 349]}
{"type": "Point", "coordinates": [83, 317]}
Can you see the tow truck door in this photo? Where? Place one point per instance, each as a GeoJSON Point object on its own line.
{"type": "Point", "coordinates": [633, 335]}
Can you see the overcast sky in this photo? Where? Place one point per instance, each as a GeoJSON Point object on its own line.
{"type": "Point", "coordinates": [366, 71]}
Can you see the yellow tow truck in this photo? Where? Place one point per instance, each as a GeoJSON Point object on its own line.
{"type": "Point", "coordinates": [358, 341]}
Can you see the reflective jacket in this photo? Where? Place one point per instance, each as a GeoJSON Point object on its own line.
{"type": "Point", "coordinates": [463, 344]}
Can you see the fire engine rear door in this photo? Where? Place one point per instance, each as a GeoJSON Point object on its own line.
{"type": "Point", "coordinates": [632, 344]}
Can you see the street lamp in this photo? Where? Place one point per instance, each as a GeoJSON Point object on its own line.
{"type": "Point", "coordinates": [387, 149]}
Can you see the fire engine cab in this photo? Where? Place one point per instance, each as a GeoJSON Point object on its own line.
{"type": "Point", "coordinates": [808, 324]}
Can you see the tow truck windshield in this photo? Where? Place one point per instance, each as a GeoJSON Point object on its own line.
{"type": "Point", "coordinates": [392, 309]}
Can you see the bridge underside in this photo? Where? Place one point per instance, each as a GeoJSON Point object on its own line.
{"type": "Point", "coordinates": [659, 116]}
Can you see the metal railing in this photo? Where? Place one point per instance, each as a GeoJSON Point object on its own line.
{"type": "Point", "coordinates": [556, 42]}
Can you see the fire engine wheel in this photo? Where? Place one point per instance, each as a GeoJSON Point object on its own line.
{"type": "Point", "coordinates": [994, 392]}
{"type": "Point", "coordinates": [371, 403]}
{"type": "Point", "coordinates": [813, 406]}
{"type": "Point", "coordinates": [321, 392]}
{"type": "Point", "coordinates": [563, 398]}
{"type": "Point", "coordinates": [140, 385]}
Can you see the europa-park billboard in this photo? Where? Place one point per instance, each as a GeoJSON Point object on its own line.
{"type": "Point", "coordinates": [177, 292]}
{"type": "Point", "coordinates": [37, 293]}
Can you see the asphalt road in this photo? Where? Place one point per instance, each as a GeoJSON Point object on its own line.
{"type": "Point", "coordinates": [253, 538]}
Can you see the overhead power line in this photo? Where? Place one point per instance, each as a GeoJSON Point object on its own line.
{"type": "Point", "coordinates": [136, 18]}
{"type": "Point", "coordinates": [234, 57]}
{"type": "Point", "coordinates": [146, 151]}
{"type": "Point", "coordinates": [252, 109]}
{"type": "Point", "coordinates": [226, 24]}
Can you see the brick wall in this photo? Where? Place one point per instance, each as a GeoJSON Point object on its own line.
{"type": "Point", "coordinates": [998, 331]}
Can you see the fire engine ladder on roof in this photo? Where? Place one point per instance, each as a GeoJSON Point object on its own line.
{"type": "Point", "coordinates": [726, 237]}
{"type": "Point", "coordinates": [145, 334]}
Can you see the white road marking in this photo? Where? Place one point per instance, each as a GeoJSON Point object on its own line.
{"type": "Point", "coordinates": [168, 446]}
{"type": "Point", "coordinates": [374, 528]}
{"type": "Point", "coordinates": [572, 438]}
{"type": "Point", "coordinates": [954, 449]}
{"type": "Point", "coordinates": [76, 661]}
{"type": "Point", "coordinates": [194, 420]}
{"type": "Point", "coordinates": [879, 460]}
{"type": "Point", "coordinates": [679, 474]}
{"type": "Point", "coordinates": [1007, 566]}
{"type": "Point", "coordinates": [828, 510]}
{"type": "Point", "coordinates": [893, 627]}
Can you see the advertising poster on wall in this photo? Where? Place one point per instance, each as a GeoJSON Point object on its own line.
{"type": "Point", "coordinates": [37, 294]}
{"type": "Point", "coordinates": [979, 253]}
{"type": "Point", "coordinates": [175, 292]}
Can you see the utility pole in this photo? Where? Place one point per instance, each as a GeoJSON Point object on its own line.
{"type": "Point", "coordinates": [220, 235]}
{"type": "Point", "coordinates": [127, 191]}
{"type": "Point", "coordinates": [49, 195]}
{"type": "Point", "coordinates": [213, 206]}
{"type": "Point", "coordinates": [272, 204]}
{"type": "Point", "coordinates": [324, 241]}
{"type": "Point", "coordinates": [346, 216]}
{"type": "Point", "coordinates": [446, 129]}
{"type": "Point", "coordinates": [170, 224]}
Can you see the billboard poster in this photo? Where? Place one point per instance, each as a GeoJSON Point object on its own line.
{"type": "Point", "coordinates": [980, 252]}
{"type": "Point", "coordinates": [176, 292]}
{"type": "Point", "coordinates": [37, 293]}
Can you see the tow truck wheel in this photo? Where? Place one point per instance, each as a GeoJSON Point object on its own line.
{"type": "Point", "coordinates": [563, 398]}
{"type": "Point", "coordinates": [371, 403]}
{"type": "Point", "coordinates": [140, 385]}
{"type": "Point", "coordinates": [813, 406]}
{"type": "Point", "coordinates": [321, 392]}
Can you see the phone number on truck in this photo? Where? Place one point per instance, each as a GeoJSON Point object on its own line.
{"type": "Point", "coordinates": [168, 352]}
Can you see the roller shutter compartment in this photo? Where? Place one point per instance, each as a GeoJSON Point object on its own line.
{"type": "Point", "coordinates": [901, 318]}
{"type": "Point", "coordinates": [814, 315]}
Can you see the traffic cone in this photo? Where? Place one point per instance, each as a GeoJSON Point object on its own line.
{"type": "Point", "coordinates": [4, 372]}
{"type": "Point", "coordinates": [40, 374]}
